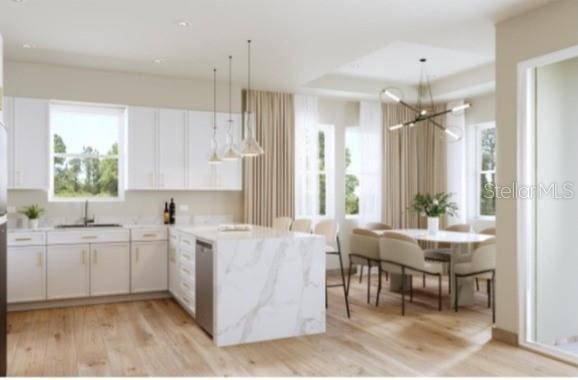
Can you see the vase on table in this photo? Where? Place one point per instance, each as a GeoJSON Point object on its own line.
{"type": "Point", "coordinates": [433, 225]}
{"type": "Point", "coordinates": [33, 224]}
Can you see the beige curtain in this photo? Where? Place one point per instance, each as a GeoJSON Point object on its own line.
{"type": "Point", "coordinates": [414, 162]}
{"type": "Point", "coordinates": [268, 180]}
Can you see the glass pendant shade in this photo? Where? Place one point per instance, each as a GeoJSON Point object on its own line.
{"type": "Point", "coordinates": [214, 157]}
{"type": "Point", "coordinates": [250, 147]}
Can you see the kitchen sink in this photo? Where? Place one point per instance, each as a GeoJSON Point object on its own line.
{"type": "Point", "coordinates": [92, 225]}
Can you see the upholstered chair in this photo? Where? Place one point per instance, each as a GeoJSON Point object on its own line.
{"type": "Point", "coordinates": [364, 250]}
{"type": "Point", "coordinates": [402, 255]}
{"type": "Point", "coordinates": [330, 230]}
{"type": "Point", "coordinates": [282, 223]}
{"type": "Point", "coordinates": [302, 225]}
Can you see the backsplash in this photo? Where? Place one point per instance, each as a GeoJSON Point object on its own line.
{"type": "Point", "coordinates": [139, 207]}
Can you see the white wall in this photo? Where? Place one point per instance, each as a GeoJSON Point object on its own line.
{"type": "Point", "coordinates": [557, 154]}
{"type": "Point", "coordinates": [533, 34]}
{"type": "Point", "coordinates": [75, 84]}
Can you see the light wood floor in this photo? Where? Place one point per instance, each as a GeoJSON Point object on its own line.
{"type": "Point", "coordinates": [156, 338]}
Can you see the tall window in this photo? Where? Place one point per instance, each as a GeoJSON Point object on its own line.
{"type": "Point", "coordinates": [486, 164]}
{"type": "Point", "coordinates": [352, 170]}
{"type": "Point", "coordinates": [324, 170]}
{"type": "Point", "coordinates": [86, 151]}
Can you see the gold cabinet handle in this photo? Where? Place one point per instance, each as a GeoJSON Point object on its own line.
{"type": "Point", "coordinates": [90, 237]}
{"type": "Point", "coordinates": [149, 235]}
{"type": "Point", "coordinates": [23, 239]}
{"type": "Point", "coordinates": [186, 285]}
{"type": "Point", "coordinates": [186, 271]}
{"type": "Point", "coordinates": [187, 257]}
{"type": "Point", "coordinates": [40, 261]}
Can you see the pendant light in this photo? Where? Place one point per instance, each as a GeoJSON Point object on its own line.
{"type": "Point", "coordinates": [249, 147]}
{"type": "Point", "coordinates": [214, 157]}
{"type": "Point", "coordinates": [231, 150]}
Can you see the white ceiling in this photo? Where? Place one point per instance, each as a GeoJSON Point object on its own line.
{"type": "Point", "coordinates": [399, 62]}
{"type": "Point", "coordinates": [295, 42]}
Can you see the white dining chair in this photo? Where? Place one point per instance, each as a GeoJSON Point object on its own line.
{"type": "Point", "coordinates": [364, 250]}
{"type": "Point", "coordinates": [374, 226]}
{"type": "Point", "coordinates": [330, 230]}
{"type": "Point", "coordinates": [302, 225]}
{"type": "Point", "coordinates": [482, 265]}
{"type": "Point", "coordinates": [282, 223]}
{"type": "Point", "coordinates": [402, 255]}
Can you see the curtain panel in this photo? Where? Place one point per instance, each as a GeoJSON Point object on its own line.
{"type": "Point", "coordinates": [268, 180]}
{"type": "Point", "coordinates": [371, 136]}
{"type": "Point", "coordinates": [414, 162]}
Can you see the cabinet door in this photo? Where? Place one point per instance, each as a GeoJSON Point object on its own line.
{"type": "Point", "coordinates": [173, 266]}
{"type": "Point", "coordinates": [142, 148]}
{"type": "Point", "coordinates": [172, 148]}
{"type": "Point", "coordinates": [149, 266]}
{"type": "Point", "coordinates": [30, 143]}
{"type": "Point", "coordinates": [229, 173]}
{"type": "Point", "coordinates": [8, 114]}
{"type": "Point", "coordinates": [26, 273]}
{"type": "Point", "coordinates": [109, 269]}
{"type": "Point", "coordinates": [199, 145]}
{"type": "Point", "coordinates": [67, 271]}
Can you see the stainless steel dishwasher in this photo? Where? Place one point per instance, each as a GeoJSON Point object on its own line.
{"type": "Point", "coordinates": [204, 286]}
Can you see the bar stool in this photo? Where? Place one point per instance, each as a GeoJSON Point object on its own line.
{"type": "Point", "coordinates": [329, 229]}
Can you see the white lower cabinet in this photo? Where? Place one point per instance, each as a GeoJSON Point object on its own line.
{"type": "Point", "coordinates": [26, 281]}
{"type": "Point", "coordinates": [173, 265]}
{"type": "Point", "coordinates": [68, 271]}
{"type": "Point", "coordinates": [149, 270]}
{"type": "Point", "coordinates": [109, 269]}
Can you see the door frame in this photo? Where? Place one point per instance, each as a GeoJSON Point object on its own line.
{"type": "Point", "coordinates": [526, 208]}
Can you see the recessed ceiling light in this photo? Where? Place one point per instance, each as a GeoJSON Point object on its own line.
{"type": "Point", "coordinates": [28, 46]}
{"type": "Point", "coordinates": [158, 60]}
{"type": "Point", "coordinates": [183, 23]}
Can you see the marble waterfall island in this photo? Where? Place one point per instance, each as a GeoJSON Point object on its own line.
{"type": "Point", "coordinates": [267, 284]}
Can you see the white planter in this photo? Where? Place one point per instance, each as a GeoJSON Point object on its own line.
{"type": "Point", "coordinates": [433, 225]}
{"type": "Point", "coordinates": [33, 224]}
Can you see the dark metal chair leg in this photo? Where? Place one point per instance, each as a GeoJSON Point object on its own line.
{"type": "Point", "coordinates": [386, 276]}
{"type": "Point", "coordinates": [410, 288]}
{"type": "Point", "coordinates": [402, 291]}
{"type": "Point", "coordinates": [489, 291]}
{"type": "Point", "coordinates": [360, 273]}
{"type": "Point", "coordinates": [449, 279]}
{"type": "Point", "coordinates": [326, 301]}
{"type": "Point", "coordinates": [343, 280]}
{"type": "Point", "coordinates": [477, 285]}
{"type": "Point", "coordinates": [493, 297]}
{"type": "Point", "coordinates": [440, 291]}
{"type": "Point", "coordinates": [378, 284]}
{"type": "Point", "coordinates": [368, 281]}
{"type": "Point", "coordinates": [349, 275]}
{"type": "Point", "coordinates": [455, 297]}
{"type": "Point", "coordinates": [423, 279]}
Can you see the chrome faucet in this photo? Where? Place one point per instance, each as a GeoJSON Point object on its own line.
{"type": "Point", "coordinates": [86, 220]}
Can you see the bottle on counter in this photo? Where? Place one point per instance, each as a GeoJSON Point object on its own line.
{"type": "Point", "coordinates": [172, 209]}
{"type": "Point", "coordinates": [166, 214]}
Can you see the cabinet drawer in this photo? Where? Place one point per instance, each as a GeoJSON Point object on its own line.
{"type": "Point", "coordinates": [25, 238]}
{"type": "Point", "coordinates": [187, 242]}
{"type": "Point", "coordinates": [186, 273]}
{"type": "Point", "coordinates": [149, 234]}
{"type": "Point", "coordinates": [188, 303]}
{"type": "Point", "coordinates": [88, 236]}
{"type": "Point", "coordinates": [187, 258]}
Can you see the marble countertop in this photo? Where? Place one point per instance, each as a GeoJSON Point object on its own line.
{"type": "Point", "coordinates": [212, 233]}
{"type": "Point", "coordinates": [124, 226]}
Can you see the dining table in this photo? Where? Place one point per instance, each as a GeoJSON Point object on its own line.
{"type": "Point", "coordinates": [460, 242]}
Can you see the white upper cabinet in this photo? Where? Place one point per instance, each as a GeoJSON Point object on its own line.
{"type": "Point", "coordinates": [168, 149]}
{"type": "Point", "coordinates": [142, 148]}
{"type": "Point", "coordinates": [172, 143]}
{"type": "Point", "coordinates": [27, 126]}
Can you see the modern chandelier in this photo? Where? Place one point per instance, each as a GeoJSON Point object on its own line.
{"type": "Point", "coordinates": [249, 146]}
{"type": "Point", "coordinates": [421, 113]}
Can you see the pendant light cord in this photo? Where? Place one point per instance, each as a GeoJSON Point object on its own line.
{"type": "Point", "coordinates": [230, 98]}
{"type": "Point", "coordinates": [214, 103]}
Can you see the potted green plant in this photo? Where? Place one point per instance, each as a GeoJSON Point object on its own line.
{"type": "Point", "coordinates": [432, 207]}
{"type": "Point", "coordinates": [33, 213]}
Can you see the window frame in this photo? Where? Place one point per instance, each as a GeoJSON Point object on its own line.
{"type": "Point", "coordinates": [346, 172]}
{"type": "Point", "coordinates": [479, 171]}
{"type": "Point", "coordinates": [329, 135]}
{"type": "Point", "coordinates": [82, 107]}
